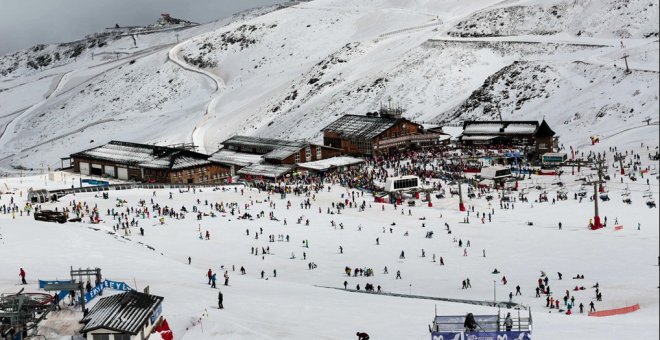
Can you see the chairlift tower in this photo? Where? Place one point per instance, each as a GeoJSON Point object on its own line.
{"type": "Point", "coordinates": [598, 186]}
{"type": "Point", "coordinates": [625, 58]}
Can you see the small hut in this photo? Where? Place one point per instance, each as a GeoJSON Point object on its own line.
{"type": "Point", "coordinates": [38, 196]}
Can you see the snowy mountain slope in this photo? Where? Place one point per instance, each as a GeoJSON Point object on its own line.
{"type": "Point", "coordinates": [578, 98]}
{"type": "Point", "coordinates": [119, 82]}
{"type": "Point", "coordinates": [169, 96]}
{"type": "Point", "coordinates": [590, 18]}
{"type": "Point", "coordinates": [288, 73]}
{"type": "Point", "coordinates": [427, 80]}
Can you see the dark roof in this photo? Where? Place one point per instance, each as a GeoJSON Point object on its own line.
{"type": "Point", "coordinates": [126, 312]}
{"type": "Point", "coordinates": [355, 126]}
{"type": "Point", "coordinates": [145, 155]}
{"type": "Point", "coordinates": [544, 130]}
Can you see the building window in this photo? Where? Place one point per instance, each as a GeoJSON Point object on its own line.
{"type": "Point", "coordinates": [297, 157]}
{"type": "Point", "coordinates": [319, 153]}
{"type": "Point", "coordinates": [308, 153]}
{"type": "Point", "coordinates": [122, 337]}
{"type": "Point", "coordinates": [101, 337]}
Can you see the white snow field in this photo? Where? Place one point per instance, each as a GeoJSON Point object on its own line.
{"type": "Point", "coordinates": [293, 306]}
{"type": "Point", "coordinates": [288, 72]}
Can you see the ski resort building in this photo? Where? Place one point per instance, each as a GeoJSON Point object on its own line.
{"type": "Point", "coordinates": [377, 133]}
{"type": "Point", "coordinates": [268, 158]}
{"type": "Point", "coordinates": [536, 138]}
{"type": "Point", "coordinates": [126, 316]}
{"type": "Point", "coordinates": [338, 164]}
{"type": "Point", "coordinates": [150, 163]}
{"type": "Point", "coordinates": [279, 151]}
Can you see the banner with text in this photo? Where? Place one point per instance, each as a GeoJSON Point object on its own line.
{"type": "Point", "coordinates": [105, 284]}
{"type": "Point", "coordinates": [43, 283]}
{"type": "Point", "coordinates": [481, 336]}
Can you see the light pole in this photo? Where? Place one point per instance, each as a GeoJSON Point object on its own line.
{"type": "Point", "coordinates": [494, 291]}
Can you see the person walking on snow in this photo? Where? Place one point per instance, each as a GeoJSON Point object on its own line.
{"type": "Point", "coordinates": [21, 273]}
{"type": "Point", "coordinates": [220, 299]}
{"type": "Point", "coordinates": [213, 278]}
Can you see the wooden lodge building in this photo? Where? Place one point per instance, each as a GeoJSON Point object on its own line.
{"type": "Point", "coordinates": [537, 138]}
{"type": "Point", "coordinates": [279, 151]}
{"type": "Point", "coordinates": [150, 163]}
{"type": "Point", "coordinates": [377, 133]}
{"type": "Point", "coordinates": [275, 157]}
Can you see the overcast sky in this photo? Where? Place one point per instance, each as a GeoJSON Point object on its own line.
{"type": "Point", "coordinates": [24, 23]}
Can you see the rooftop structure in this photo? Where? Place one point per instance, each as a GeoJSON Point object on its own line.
{"type": "Point", "coordinates": [268, 171]}
{"type": "Point", "coordinates": [355, 126]}
{"type": "Point", "coordinates": [151, 163]}
{"type": "Point", "coordinates": [236, 158]}
{"type": "Point", "coordinates": [500, 128]}
{"type": "Point", "coordinates": [534, 137]}
{"type": "Point", "coordinates": [261, 145]}
{"type": "Point", "coordinates": [331, 163]}
{"type": "Point", "coordinates": [273, 151]}
{"type": "Point", "coordinates": [127, 313]}
{"type": "Point", "coordinates": [144, 155]}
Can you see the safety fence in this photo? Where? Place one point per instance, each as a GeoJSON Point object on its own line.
{"type": "Point", "coordinates": [616, 311]}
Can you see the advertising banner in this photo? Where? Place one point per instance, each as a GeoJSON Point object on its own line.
{"type": "Point", "coordinates": [105, 284]}
{"type": "Point", "coordinates": [481, 336]}
{"type": "Point", "coordinates": [43, 283]}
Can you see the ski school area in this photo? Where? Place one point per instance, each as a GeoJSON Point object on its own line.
{"type": "Point", "coordinates": [434, 258]}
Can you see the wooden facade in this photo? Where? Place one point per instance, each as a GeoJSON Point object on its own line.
{"type": "Point", "coordinates": [534, 137]}
{"type": "Point", "coordinates": [148, 163]}
{"type": "Point", "coordinates": [280, 152]}
{"type": "Point", "coordinates": [362, 135]}
{"type": "Point", "coordinates": [310, 153]}
{"type": "Point", "coordinates": [210, 173]}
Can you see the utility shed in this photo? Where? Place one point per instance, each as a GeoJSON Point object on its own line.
{"type": "Point", "coordinates": [127, 316]}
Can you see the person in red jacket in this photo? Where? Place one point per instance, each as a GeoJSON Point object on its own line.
{"type": "Point", "coordinates": [22, 275]}
{"type": "Point", "coordinates": [209, 274]}
{"type": "Point", "coordinates": [362, 336]}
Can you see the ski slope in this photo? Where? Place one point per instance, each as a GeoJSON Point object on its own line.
{"type": "Point", "coordinates": [289, 71]}
{"type": "Point", "coordinates": [292, 306]}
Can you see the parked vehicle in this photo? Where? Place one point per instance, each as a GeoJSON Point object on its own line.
{"type": "Point", "coordinates": [50, 216]}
